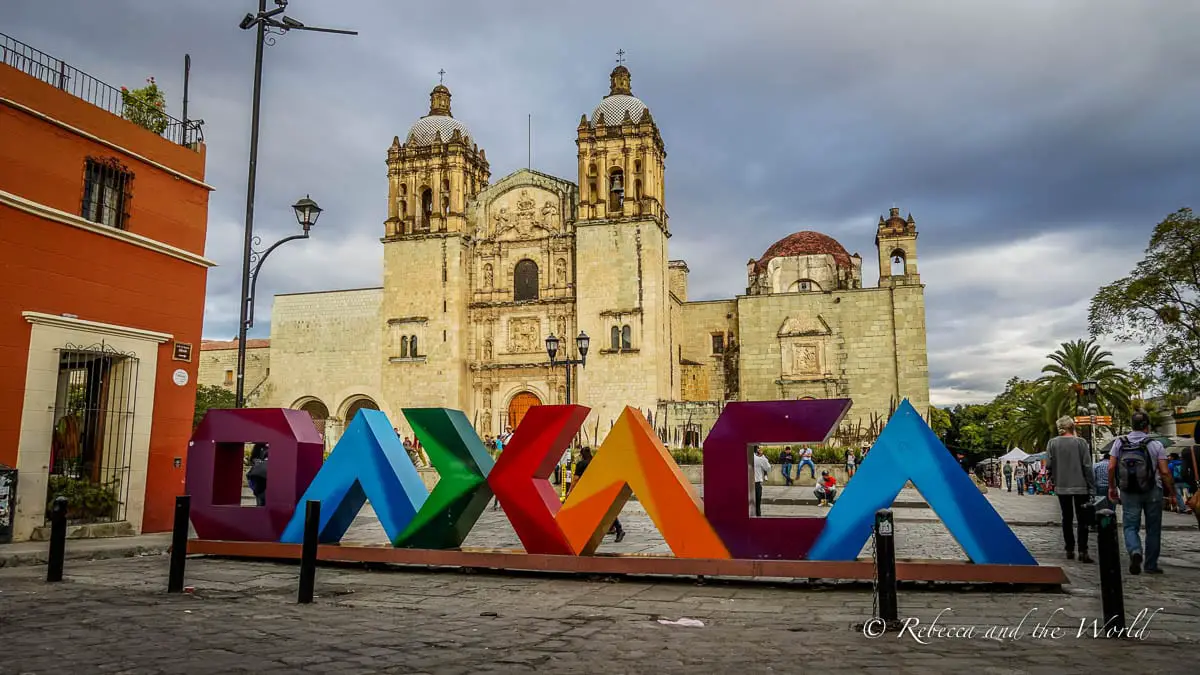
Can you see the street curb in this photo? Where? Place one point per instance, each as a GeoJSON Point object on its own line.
{"type": "Point", "coordinates": [39, 557]}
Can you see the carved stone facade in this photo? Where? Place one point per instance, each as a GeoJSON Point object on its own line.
{"type": "Point", "coordinates": [477, 276]}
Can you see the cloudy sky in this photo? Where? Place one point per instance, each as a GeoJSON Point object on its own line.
{"type": "Point", "coordinates": [1036, 142]}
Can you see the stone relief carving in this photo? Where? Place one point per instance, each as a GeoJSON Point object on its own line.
{"type": "Point", "coordinates": [520, 218]}
{"type": "Point", "coordinates": [560, 273]}
{"type": "Point", "coordinates": [804, 325]}
{"type": "Point", "coordinates": [488, 277]}
{"type": "Point", "coordinates": [487, 350]}
{"type": "Point", "coordinates": [524, 335]}
{"type": "Point", "coordinates": [805, 360]}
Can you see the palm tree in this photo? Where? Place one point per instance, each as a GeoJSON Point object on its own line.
{"type": "Point", "coordinates": [1078, 361]}
{"type": "Point", "coordinates": [1033, 419]}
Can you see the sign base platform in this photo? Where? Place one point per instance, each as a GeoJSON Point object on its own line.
{"type": "Point", "coordinates": [639, 564]}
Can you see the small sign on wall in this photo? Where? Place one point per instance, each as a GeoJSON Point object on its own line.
{"type": "Point", "coordinates": [183, 352]}
{"type": "Point", "coordinates": [180, 377]}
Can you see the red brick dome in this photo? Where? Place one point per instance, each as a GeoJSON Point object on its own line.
{"type": "Point", "coordinates": [806, 243]}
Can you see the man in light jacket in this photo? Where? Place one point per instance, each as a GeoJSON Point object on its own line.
{"type": "Point", "coordinates": [762, 467]}
{"type": "Point", "coordinates": [1069, 460]}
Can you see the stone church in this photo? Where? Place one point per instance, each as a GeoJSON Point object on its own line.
{"type": "Point", "coordinates": [478, 274]}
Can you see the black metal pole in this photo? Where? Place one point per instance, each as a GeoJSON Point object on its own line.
{"type": "Point", "coordinates": [58, 539]}
{"type": "Point", "coordinates": [249, 233]}
{"type": "Point", "coordinates": [1112, 596]}
{"type": "Point", "coordinates": [187, 72]}
{"type": "Point", "coordinates": [308, 554]}
{"type": "Point", "coordinates": [568, 366]}
{"type": "Point", "coordinates": [179, 542]}
{"type": "Point", "coordinates": [885, 566]}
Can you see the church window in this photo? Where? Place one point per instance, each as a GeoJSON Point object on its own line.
{"type": "Point", "coordinates": [403, 208]}
{"type": "Point", "coordinates": [898, 263]}
{"type": "Point", "coordinates": [616, 338]}
{"type": "Point", "coordinates": [718, 343]}
{"type": "Point", "coordinates": [412, 347]}
{"type": "Point", "coordinates": [404, 347]}
{"type": "Point", "coordinates": [228, 377]}
{"type": "Point", "coordinates": [637, 189]}
{"type": "Point", "coordinates": [445, 197]}
{"type": "Point", "coordinates": [593, 192]}
{"type": "Point", "coordinates": [637, 166]}
{"type": "Point", "coordinates": [426, 208]}
{"type": "Point", "coordinates": [592, 169]}
{"type": "Point", "coordinates": [616, 190]}
{"type": "Point", "coordinates": [525, 281]}
{"type": "Point", "coordinates": [626, 337]}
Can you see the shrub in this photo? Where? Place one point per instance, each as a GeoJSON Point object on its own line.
{"type": "Point", "coordinates": [86, 501]}
{"type": "Point", "coordinates": [687, 455]}
{"type": "Point", "coordinates": [145, 107]}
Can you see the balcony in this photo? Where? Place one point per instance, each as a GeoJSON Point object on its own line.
{"type": "Point", "coordinates": [71, 80]}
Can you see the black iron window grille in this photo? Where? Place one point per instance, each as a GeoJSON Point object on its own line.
{"type": "Point", "coordinates": [107, 189]}
{"type": "Point", "coordinates": [91, 445]}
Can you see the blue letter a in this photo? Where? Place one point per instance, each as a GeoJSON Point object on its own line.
{"type": "Point", "coordinates": [909, 450]}
{"type": "Point", "coordinates": [368, 462]}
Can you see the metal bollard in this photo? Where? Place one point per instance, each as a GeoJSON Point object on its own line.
{"type": "Point", "coordinates": [885, 566]}
{"type": "Point", "coordinates": [1112, 596]}
{"type": "Point", "coordinates": [58, 539]}
{"type": "Point", "coordinates": [179, 542]}
{"type": "Point", "coordinates": [308, 553]}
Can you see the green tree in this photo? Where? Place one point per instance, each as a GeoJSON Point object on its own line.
{"type": "Point", "coordinates": [210, 396]}
{"type": "Point", "coordinates": [940, 421]}
{"type": "Point", "coordinates": [1033, 414]}
{"type": "Point", "coordinates": [1158, 305]}
{"type": "Point", "coordinates": [1078, 361]}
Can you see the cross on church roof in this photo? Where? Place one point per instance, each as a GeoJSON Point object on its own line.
{"type": "Point", "coordinates": [621, 57]}
{"type": "Point", "coordinates": [442, 76]}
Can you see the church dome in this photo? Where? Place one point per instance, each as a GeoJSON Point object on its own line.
{"type": "Point", "coordinates": [806, 243]}
{"type": "Point", "coordinates": [619, 101]}
{"type": "Point", "coordinates": [439, 120]}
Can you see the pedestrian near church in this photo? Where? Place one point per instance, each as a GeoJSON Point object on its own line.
{"type": "Point", "coordinates": [1100, 472]}
{"type": "Point", "coordinates": [786, 459]}
{"type": "Point", "coordinates": [1019, 474]}
{"type": "Point", "coordinates": [1140, 481]}
{"type": "Point", "coordinates": [585, 459]}
{"type": "Point", "coordinates": [762, 467]}
{"type": "Point", "coordinates": [851, 462]}
{"type": "Point", "coordinates": [1008, 474]}
{"type": "Point", "coordinates": [1069, 460]}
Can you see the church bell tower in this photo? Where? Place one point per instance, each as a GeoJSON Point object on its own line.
{"type": "Point", "coordinates": [896, 240]}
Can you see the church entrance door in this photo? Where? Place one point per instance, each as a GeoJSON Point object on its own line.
{"type": "Point", "coordinates": [519, 405]}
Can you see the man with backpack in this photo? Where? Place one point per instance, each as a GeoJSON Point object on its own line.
{"type": "Point", "coordinates": [1139, 480]}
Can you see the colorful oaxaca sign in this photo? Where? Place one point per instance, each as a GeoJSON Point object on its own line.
{"type": "Point", "coordinates": [369, 463]}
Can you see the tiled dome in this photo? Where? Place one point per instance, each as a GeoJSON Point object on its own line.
{"type": "Point", "coordinates": [806, 243]}
{"type": "Point", "coordinates": [425, 130]}
{"type": "Point", "coordinates": [615, 106]}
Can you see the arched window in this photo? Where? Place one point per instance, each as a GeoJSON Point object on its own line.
{"type": "Point", "coordinates": [804, 285]}
{"type": "Point", "coordinates": [592, 169]}
{"type": "Point", "coordinates": [637, 166]}
{"type": "Point", "coordinates": [445, 197]}
{"type": "Point", "coordinates": [525, 281]}
{"type": "Point", "coordinates": [426, 208]}
{"type": "Point", "coordinates": [615, 342]}
{"type": "Point", "coordinates": [898, 263]}
{"type": "Point", "coordinates": [404, 347]}
{"type": "Point", "coordinates": [403, 208]}
{"type": "Point", "coordinates": [616, 190]}
{"type": "Point", "coordinates": [626, 337]}
{"type": "Point", "coordinates": [412, 347]}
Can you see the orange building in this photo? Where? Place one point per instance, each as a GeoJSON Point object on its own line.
{"type": "Point", "coordinates": [102, 230]}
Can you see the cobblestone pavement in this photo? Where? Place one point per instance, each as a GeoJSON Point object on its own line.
{"type": "Point", "coordinates": [112, 616]}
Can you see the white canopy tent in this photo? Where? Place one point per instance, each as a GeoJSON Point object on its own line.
{"type": "Point", "coordinates": [1014, 455]}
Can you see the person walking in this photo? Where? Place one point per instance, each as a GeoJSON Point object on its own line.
{"type": "Point", "coordinates": [762, 467]}
{"type": "Point", "coordinates": [851, 462]}
{"type": "Point", "coordinates": [1175, 464]}
{"type": "Point", "coordinates": [786, 459]}
{"type": "Point", "coordinates": [1100, 473]}
{"type": "Point", "coordinates": [1008, 472]}
{"type": "Point", "coordinates": [806, 457]}
{"type": "Point", "coordinates": [256, 477]}
{"type": "Point", "coordinates": [585, 458]}
{"type": "Point", "coordinates": [1069, 461]}
{"type": "Point", "coordinates": [1139, 480]}
{"type": "Point", "coordinates": [1019, 474]}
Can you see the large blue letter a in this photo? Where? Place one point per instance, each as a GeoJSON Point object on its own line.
{"type": "Point", "coordinates": [909, 450]}
{"type": "Point", "coordinates": [368, 462]}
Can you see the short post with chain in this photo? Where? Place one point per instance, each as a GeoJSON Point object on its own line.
{"type": "Point", "coordinates": [885, 568]}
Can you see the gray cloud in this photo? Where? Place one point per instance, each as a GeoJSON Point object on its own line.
{"type": "Point", "coordinates": [1035, 143]}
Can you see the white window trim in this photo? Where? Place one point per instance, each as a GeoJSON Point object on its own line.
{"type": "Point", "coordinates": [141, 241]}
{"type": "Point", "coordinates": [57, 321]}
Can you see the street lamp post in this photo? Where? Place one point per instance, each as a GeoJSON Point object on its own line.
{"type": "Point", "coordinates": [307, 213]}
{"type": "Point", "coordinates": [266, 22]}
{"type": "Point", "coordinates": [1089, 390]}
{"type": "Point", "coordinates": [582, 342]}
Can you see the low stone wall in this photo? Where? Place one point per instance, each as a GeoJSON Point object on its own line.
{"type": "Point", "coordinates": [695, 474]}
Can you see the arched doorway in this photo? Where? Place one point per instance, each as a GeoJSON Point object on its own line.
{"type": "Point", "coordinates": [355, 406]}
{"type": "Point", "coordinates": [519, 405]}
{"type": "Point", "coordinates": [318, 412]}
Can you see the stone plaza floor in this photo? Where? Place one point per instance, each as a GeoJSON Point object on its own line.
{"type": "Point", "coordinates": [114, 616]}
